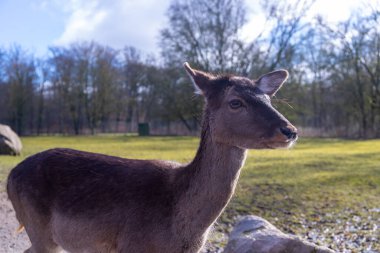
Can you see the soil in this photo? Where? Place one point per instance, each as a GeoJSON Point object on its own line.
{"type": "Point", "coordinates": [10, 240]}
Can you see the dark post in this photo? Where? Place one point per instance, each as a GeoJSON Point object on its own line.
{"type": "Point", "coordinates": [143, 129]}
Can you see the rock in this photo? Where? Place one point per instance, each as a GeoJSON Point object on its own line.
{"type": "Point", "coordinates": [10, 143]}
{"type": "Point", "coordinates": [253, 234]}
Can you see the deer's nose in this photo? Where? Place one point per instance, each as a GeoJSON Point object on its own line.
{"type": "Point", "coordinates": [291, 133]}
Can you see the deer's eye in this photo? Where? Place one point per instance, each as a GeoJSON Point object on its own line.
{"type": "Point", "coordinates": [235, 104]}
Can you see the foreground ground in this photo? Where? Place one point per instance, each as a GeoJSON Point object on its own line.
{"type": "Point", "coordinates": [325, 190]}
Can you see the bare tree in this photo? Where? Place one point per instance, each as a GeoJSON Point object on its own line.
{"type": "Point", "coordinates": [20, 78]}
{"type": "Point", "coordinates": [105, 78]}
{"type": "Point", "coordinates": [358, 55]}
{"type": "Point", "coordinates": [133, 75]}
{"type": "Point", "coordinates": [284, 24]}
{"type": "Point", "coordinates": [86, 75]}
{"type": "Point", "coordinates": [205, 33]}
{"type": "Point", "coordinates": [69, 90]}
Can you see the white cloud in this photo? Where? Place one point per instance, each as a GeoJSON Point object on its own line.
{"type": "Point", "coordinates": [116, 23]}
{"type": "Point", "coordinates": [83, 23]}
{"type": "Point", "coordinates": [137, 23]}
{"type": "Point", "coordinates": [334, 11]}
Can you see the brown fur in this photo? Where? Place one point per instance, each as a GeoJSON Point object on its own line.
{"type": "Point", "coordinates": [87, 202]}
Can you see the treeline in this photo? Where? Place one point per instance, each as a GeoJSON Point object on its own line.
{"type": "Point", "coordinates": [334, 86]}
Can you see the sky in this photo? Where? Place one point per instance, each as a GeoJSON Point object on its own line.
{"type": "Point", "coordinates": [37, 24]}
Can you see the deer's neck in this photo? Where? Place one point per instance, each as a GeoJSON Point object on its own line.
{"type": "Point", "coordinates": [208, 184]}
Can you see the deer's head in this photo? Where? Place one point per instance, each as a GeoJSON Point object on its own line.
{"type": "Point", "coordinates": [240, 111]}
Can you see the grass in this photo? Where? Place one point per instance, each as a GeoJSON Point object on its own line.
{"type": "Point", "coordinates": [316, 177]}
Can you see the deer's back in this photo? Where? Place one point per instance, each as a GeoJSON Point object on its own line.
{"type": "Point", "coordinates": [87, 184]}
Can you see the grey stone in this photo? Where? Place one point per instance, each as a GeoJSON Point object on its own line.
{"type": "Point", "coordinates": [253, 234]}
{"type": "Point", "coordinates": [10, 143]}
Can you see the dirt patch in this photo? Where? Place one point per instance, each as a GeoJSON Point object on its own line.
{"type": "Point", "coordinates": [10, 241]}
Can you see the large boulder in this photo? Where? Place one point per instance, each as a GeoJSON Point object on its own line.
{"type": "Point", "coordinates": [10, 143]}
{"type": "Point", "coordinates": [253, 234]}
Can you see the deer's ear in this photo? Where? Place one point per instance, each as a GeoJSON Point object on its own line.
{"type": "Point", "coordinates": [270, 83]}
{"type": "Point", "coordinates": [200, 79]}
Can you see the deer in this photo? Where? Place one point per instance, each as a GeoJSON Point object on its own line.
{"type": "Point", "coordinates": [87, 202]}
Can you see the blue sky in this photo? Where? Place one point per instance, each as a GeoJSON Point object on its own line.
{"type": "Point", "coordinates": [27, 24]}
{"type": "Point", "coordinates": [37, 24]}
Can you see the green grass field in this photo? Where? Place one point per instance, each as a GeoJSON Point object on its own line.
{"type": "Point", "coordinates": [315, 180]}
